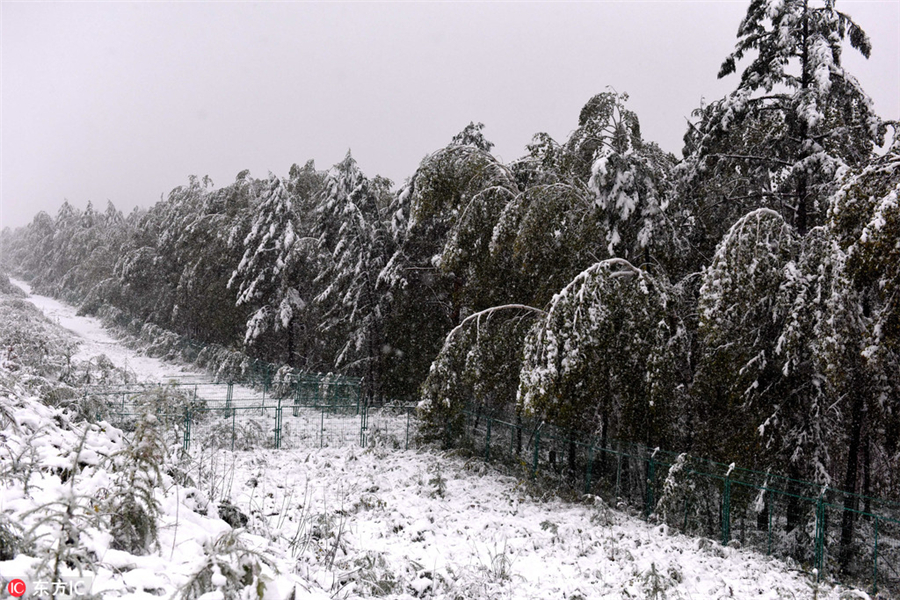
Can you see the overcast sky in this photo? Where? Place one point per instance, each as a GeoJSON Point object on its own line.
{"type": "Point", "coordinates": [122, 101]}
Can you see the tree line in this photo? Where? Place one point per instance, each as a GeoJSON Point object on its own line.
{"type": "Point", "coordinates": [741, 303]}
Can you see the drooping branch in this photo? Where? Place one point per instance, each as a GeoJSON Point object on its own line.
{"type": "Point", "coordinates": [487, 311]}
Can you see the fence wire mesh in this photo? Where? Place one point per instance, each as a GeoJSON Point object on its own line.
{"type": "Point", "coordinates": [829, 532]}
{"type": "Point", "coordinates": [306, 411]}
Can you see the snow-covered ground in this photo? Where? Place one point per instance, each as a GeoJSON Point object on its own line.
{"type": "Point", "coordinates": [339, 522]}
{"type": "Point", "coordinates": [95, 340]}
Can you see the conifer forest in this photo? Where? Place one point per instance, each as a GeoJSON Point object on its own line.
{"type": "Point", "coordinates": [741, 303]}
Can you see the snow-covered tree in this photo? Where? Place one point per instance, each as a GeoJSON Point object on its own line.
{"type": "Point", "coordinates": [477, 368]}
{"type": "Point", "coordinates": [543, 237]}
{"type": "Point", "coordinates": [604, 361]}
{"type": "Point", "coordinates": [783, 138]}
{"type": "Point", "coordinates": [862, 349]}
{"type": "Point", "coordinates": [265, 278]}
{"type": "Point", "coordinates": [426, 298]}
{"type": "Point", "coordinates": [352, 235]}
{"type": "Point", "coordinates": [628, 176]}
{"type": "Point", "coordinates": [741, 319]}
{"type": "Point", "coordinates": [204, 308]}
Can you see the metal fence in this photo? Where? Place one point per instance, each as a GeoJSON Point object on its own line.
{"type": "Point", "coordinates": [826, 531]}
{"type": "Point", "coordinates": [832, 533]}
{"type": "Point", "coordinates": [314, 410]}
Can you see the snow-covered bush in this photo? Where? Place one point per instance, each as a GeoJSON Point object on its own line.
{"type": "Point", "coordinates": [134, 513]}
{"type": "Point", "coordinates": [229, 568]}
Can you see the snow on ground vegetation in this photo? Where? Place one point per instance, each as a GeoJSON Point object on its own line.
{"type": "Point", "coordinates": [134, 517]}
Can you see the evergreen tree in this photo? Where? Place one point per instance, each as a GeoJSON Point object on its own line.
{"type": "Point", "coordinates": [782, 139]}
{"type": "Point", "coordinates": [265, 278]}
{"type": "Point", "coordinates": [350, 226]}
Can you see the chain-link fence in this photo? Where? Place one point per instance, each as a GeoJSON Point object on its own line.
{"type": "Point", "coordinates": [313, 410]}
{"type": "Point", "coordinates": [827, 531]}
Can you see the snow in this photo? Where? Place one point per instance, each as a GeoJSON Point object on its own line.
{"type": "Point", "coordinates": [95, 340]}
{"type": "Point", "coordinates": [353, 522]}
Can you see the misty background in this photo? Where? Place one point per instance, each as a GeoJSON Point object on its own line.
{"type": "Point", "coordinates": [122, 101]}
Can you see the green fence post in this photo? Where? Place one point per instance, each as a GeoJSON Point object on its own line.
{"type": "Point", "coordinates": [875, 561]}
{"type": "Point", "coordinates": [278, 425]}
{"type": "Point", "coordinates": [590, 469]}
{"type": "Point", "coordinates": [820, 536]}
{"type": "Point", "coordinates": [651, 476]}
{"type": "Point", "coordinates": [726, 511]}
{"type": "Point", "coordinates": [186, 446]}
{"type": "Point", "coordinates": [487, 441]}
{"type": "Point", "coordinates": [228, 392]}
{"type": "Point", "coordinates": [537, 452]}
{"type": "Point", "coordinates": [408, 413]}
{"type": "Point", "coordinates": [771, 504]}
{"type": "Point", "coordinates": [322, 429]}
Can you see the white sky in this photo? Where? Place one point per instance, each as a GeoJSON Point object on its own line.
{"type": "Point", "coordinates": [124, 100]}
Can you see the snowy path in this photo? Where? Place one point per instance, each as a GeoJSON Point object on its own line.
{"type": "Point", "coordinates": [95, 340]}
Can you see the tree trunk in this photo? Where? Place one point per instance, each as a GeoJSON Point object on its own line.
{"type": "Point", "coordinates": [851, 503]}
{"type": "Point", "coordinates": [762, 517]}
{"type": "Point", "coordinates": [518, 433]}
{"type": "Point", "coordinates": [572, 462]}
{"type": "Point", "coordinates": [290, 343]}
{"type": "Point", "coordinates": [867, 474]}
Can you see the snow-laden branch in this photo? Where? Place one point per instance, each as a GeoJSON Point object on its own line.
{"type": "Point", "coordinates": [488, 311]}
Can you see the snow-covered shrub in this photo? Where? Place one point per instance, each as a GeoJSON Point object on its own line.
{"type": "Point", "coordinates": [55, 529]}
{"type": "Point", "coordinates": [10, 538]}
{"type": "Point", "coordinates": [230, 568]}
{"type": "Point", "coordinates": [372, 575]}
{"type": "Point", "coordinates": [135, 510]}
{"type": "Point", "coordinates": [678, 489]}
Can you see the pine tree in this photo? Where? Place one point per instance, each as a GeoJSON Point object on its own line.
{"type": "Point", "coordinates": [265, 279]}
{"type": "Point", "coordinates": [782, 139]}
{"type": "Point", "coordinates": [353, 238]}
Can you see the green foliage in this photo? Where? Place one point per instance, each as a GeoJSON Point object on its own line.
{"type": "Point", "coordinates": [605, 358]}
{"type": "Point", "coordinates": [795, 121]}
{"type": "Point", "coordinates": [134, 513]}
{"type": "Point", "coordinates": [479, 365]}
{"type": "Point", "coordinates": [740, 321]}
{"type": "Point", "coordinates": [762, 298]}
